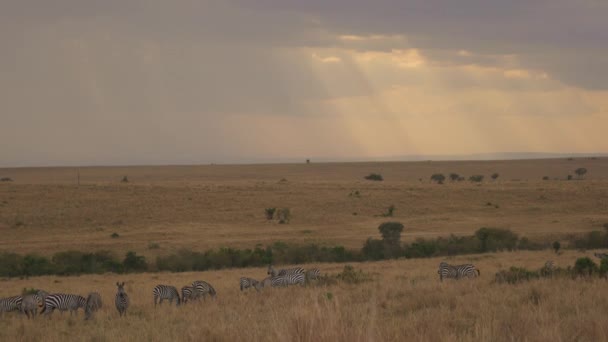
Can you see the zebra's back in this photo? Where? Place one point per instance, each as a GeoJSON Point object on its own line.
{"type": "Point", "coordinates": [163, 292]}
{"type": "Point", "coordinates": [295, 270]}
{"type": "Point", "coordinates": [246, 283]}
{"type": "Point", "coordinates": [202, 288]}
{"type": "Point", "coordinates": [63, 302]}
{"type": "Point", "coordinates": [313, 274]}
{"type": "Point", "coordinates": [10, 304]}
{"type": "Point", "coordinates": [288, 279]}
{"type": "Point", "coordinates": [187, 294]}
{"type": "Point", "coordinates": [93, 304]}
{"type": "Point", "coordinates": [457, 271]}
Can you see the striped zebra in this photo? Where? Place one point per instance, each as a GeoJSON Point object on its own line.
{"type": "Point", "coordinates": [202, 288]}
{"type": "Point", "coordinates": [10, 304]}
{"type": "Point", "coordinates": [122, 299]}
{"type": "Point", "coordinates": [248, 282]}
{"type": "Point", "coordinates": [313, 274]}
{"type": "Point", "coordinates": [93, 304]}
{"type": "Point", "coordinates": [163, 292]}
{"type": "Point", "coordinates": [63, 302]}
{"type": "Point", "coordinates": [285, 280]}
{"type": "Point", "coordinates": [30, 304]}
{"type": "Point", "coordinates": [457, 271]}
{"type": "Point", "coordinates": [601, 255]}
{"type": "Point", "coordinates": [273, 273]}
{"type": "Point", "coordinates": [187, 292]}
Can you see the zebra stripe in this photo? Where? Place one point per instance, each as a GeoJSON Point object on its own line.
{"type": "Point", "coordinates": [286, 280]}
{"type": "Point", "coordinates": [202, 288]}
{"type": "Point", "coordinates": [30, 304]}
{"type": "Point", "coordinates": [122, 299]}
{"type": "Point", "coordinates": [187, 294]}
{"type": "Point", "coordinates": [92, 305]}
{"type": "Point", "coordinates": [163, 292]}
{"type": "Point", "coordinates": [63, 302]}
{"type": "Point", "coordinates": [313, 274]}
{"type": "Point", "coordinates": [457, 271]}
{"type": "Point", "coordinates": [10, 304]}
{"type": "Point", "coordinates": [273, 273]}
{"type": "Point", "coordinates": [248, 282]}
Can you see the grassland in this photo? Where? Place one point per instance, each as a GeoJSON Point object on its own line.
{"type": "Point", "coordinates": [44, 210]}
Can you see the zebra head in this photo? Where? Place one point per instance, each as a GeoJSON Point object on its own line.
{"type": "Point", "coordinates": [271, 271]}
{"type": "Point", "coordinates": [121, 288]}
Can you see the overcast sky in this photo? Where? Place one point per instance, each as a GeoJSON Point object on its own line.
{"type": "Point", "coordinates": [184, 81]}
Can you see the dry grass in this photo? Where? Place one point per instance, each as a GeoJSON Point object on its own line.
{"type": "Point", "coordinates": [404, 301]}
{"type": "Point", "coordinates": [202, 207]}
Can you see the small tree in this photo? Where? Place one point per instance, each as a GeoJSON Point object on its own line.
{"type": "Point", "coordinates": [374, 177]}
{"type": "Point", "coordinates": [270, 213]}
{"type": "Point", "coordinates": [569, 177]}
{"type": "Point", "coordinates": [438, 177]}
{"type": "Point", "coordinates": [454, 177]}
{"type": "Point", "coordinates": [556, 246]}
{"type": "Point", "coordinates": [580, 172]}
{"type": "Point", "coordinates": [125, 179]}
{"type": "Point", "coordinates": [494, 176]}
{"type": "Point", "coordinates": [476, 178]}
{"type": "Point", "coordinates": [391, 238]}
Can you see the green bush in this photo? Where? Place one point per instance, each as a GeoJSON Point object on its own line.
{"type": "Point", "coordinates": [438, 177]}
{"type": "Point", "coordinates": [374, 177]}
{"type": "Point", "coordinates": [515, 275]}
{"type": "Point", "coordinates": [134, 262]}
{"type": "Point", "coordinates": [476, 178]}
{"type": "Point", "coordinates": [585, 267]}
{"type": "Point", "coordinates": [496, 239]}
{"type": "Point", "coordinates": [351, 276]}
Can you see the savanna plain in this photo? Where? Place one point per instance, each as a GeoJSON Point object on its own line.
{"type": "Point", "coordinates": [162, 209]}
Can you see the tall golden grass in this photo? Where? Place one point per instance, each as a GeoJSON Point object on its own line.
{"type": "Point", "coordinates": [403, 301]}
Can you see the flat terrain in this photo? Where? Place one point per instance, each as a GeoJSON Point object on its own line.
{"type": "Point", "coordinates": [44, 210]}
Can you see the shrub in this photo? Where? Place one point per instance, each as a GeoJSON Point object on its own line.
{"type": "Point", "coordinates": [580, 172]}
{"type": "Point", "coordinates": [556, 246]}
{"type": "Point", "coordinates": [494, 176]}
{"type": "Point", "coordinates": [604, 267]}
{"type": "Point", "coordinates": [454, 177]}
{"type": "Point", "coordinates": [476, 178]}
{"type": "Point", "coordinates": [438, 177]}
{"type": "Point", "coordinates": [373, 249]}
{"type": "Point", "coordinates": [125, 179]}
{"type": "Point", "coordinates": [114, 235]}
{"type": "Point", "coordinates": [545, 177]}
{"type": "Point", "coordinates": [351, 276]}
{"type": "Point", "coordinates": [585, 267]}
{"type": "Point", "coordinates": [134, 262]}
{"type": "Point", "coordinates": [569, 177]}
{"type": "Point", "coordinates": [374, 177]}
{"type": "Point", "coordinates": [153, 245]}
{"type": "Point", "coordinates": [496, 239]}
{"type": "Point", "coordinates": [515, 275]}
{"type": "Point", "coordinates": [6, 179]}
{"type": "Point", "coordinates": [270, 213]}
{"type": "Point", "coordinates": [284, 215]}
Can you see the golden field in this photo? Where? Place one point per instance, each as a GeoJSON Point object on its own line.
{"type": "Point", "coordinates": [199, 207]}
{"type": "Point", "coordinates": [404, 301]}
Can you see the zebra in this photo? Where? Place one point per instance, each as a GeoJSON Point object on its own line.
{"type": "Point", "coordinates": [10, 304]}
{"type": "Point", "coordinates": [93, 304]}
{"type": "Point", "coordinates": [313, 274]}
{"type": "Point", "coordinates": [30, 303]}
{"type": "Point", "coordinates": [187, 294]}
{"type": "Point", "coordinates": [248, 282]}
{"type": "Point", "coordinates": [273, 273]}
{"type": "Point", "coordinates": [163, 292]}
{"type": "Point", "coordinates": [63, 302]}
{"type": "Point", "coordinates": [284, 280]}
{"type": "Point", "coordinates": [457, 271]}
{"type": "Point", "coordinates": [202, 288]}
{"type": "Point", "coordinates": [122, 299]}
{"type": "Point", "coordinates": [601, 255]}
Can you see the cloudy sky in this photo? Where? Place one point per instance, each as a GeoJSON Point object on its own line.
{"type": "Point", "coordinates": [184, 81]}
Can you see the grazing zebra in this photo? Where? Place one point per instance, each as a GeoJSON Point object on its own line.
{"type": "Point", "coordinates": [285, 280]}
{"type": "Point", "coordinates": [122, 300]}
{"type": "Point", "coordinates": [202, 288]}
{"type": "Point", "coordinates": [457, 271]}
{"type": "Point", "coordinates": [187, 294]}
{"type": "Point", "coordinates": [313, 274]}
{"type": "Point", "coordinates": [63, 302]}
{"type": "Point", "coordinates": [248, 282]}
{"type": "Point", "coordinates": [93, 304]}
{"type": "Point", "coordinates": [163, 292]}
{"type": "Point", "coordinates": [30, 304]}
{"type": "Point", "coordinates": [10, 304]}
{"type": "Point", "coordinates": [273, 273]}
{"type": "Point", "coordinates": [601, 255]}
